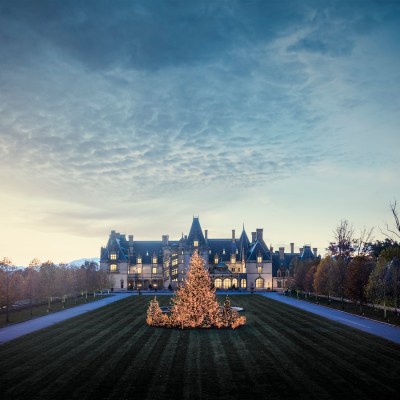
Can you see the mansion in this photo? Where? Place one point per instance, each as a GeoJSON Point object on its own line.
{"type": "Point", "coordinates": [233, 263]}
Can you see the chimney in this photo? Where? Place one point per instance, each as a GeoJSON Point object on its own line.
{"type": "Point", "coordinates": [301, 250]}
{"type": "Point", "coordinates": [281, 253]}
{"type": "Point", "coordinates": [165, 239]}
{"type": "Point", "coordinates": [271, 249]}
{"type": "Point", "coordinates": [253, 237]}
{"type": "Point", "coordinates": [130, 237]}
{"type": "Point", "coordinates": [292, 248]}
{"type": "Point", "coordinates": [233, 235]}
{"type": "Point", "coordinates": [206, 234]}
{"type": "Point", "coordinates": [315, 251]}
{"type": "Point", "coordinates": [260, 234]}
{"type": "Point", "coordinates": [112, 233]}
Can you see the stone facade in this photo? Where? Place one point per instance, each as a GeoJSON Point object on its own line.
{"type": "Point", "coordinates": [233, 263]}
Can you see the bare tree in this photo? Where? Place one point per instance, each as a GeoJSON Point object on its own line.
{"type": "Point", "coordinates": [394, 233]}
{"type": "Point", "coordinates": [362, 243]}
{"type": "Point", "coordinates": [343, 235]}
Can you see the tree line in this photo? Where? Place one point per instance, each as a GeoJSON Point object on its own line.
{"type": "Point", "coordinates": [42, 282]}
{"type": "Point", "coordinates": [356, 267]}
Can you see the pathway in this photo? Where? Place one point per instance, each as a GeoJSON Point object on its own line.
{"type": "Point", "coordinates": [381, 329]}
{"type": "Point", "coordinates": [14, 331]}
{"type": "Point", "coordinates": [377, 328]}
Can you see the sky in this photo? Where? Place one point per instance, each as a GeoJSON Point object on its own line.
{"type": "Point", "coordinates": [136, 116]}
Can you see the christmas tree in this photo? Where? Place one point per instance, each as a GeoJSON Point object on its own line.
{"type": "Point", "coordinates": [195, 304]}
{"type": "Point", "coordinates": [155, 317]}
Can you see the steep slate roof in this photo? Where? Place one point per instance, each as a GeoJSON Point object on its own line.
{"type": "Point", "coordinates": [218, 245]}
{"type": "Point", "coordinates": [244, 242]}
{"type": "Point", "coordinates": [307, 253]}
{"type": "Point", "coordinates": [196, 232]}
{"type": "Point", "coordinates": [258, 248]}
{"type": "Point", "coordinates": [146, 249]}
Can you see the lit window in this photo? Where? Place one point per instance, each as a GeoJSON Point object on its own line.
{"type": "Point", "coordinates": [259, 269]}
{"type": "Point", "coordinates": [139, 270]}
{"type": "Point", "coordinates": [218, 283]}
{"type": "Point", "coordinates": [175, 271]}
{"type": "Point", "coordinates": [223, 251]}
{"type": "Point", "coordinates": [234, 282]}
{"type": "Point", "coordinates": [259, 259]}
{"type": "Point", "coordinates": [196, 243]}
{"type": "Point", "coordinates": [216, 260]}
{"type": "Point", "coordinates": [243, 283]}
{"type": "Point", "coordinates": [113, 267]}
{"type": "Point", "coordinates": [154, 260]}
{"type": "Point", "coordinates": [139, 260]}
{"type": "Point", "coordinates": [233, 260]}
{"type": "Point", "coordinates": [227, 283]}
{"type": "Point", "coordinates": [147, 253]}
{"type": "Point", "coordinates": [237, 251]}
{"type": "Point", "coordinates": [174, 261]}
{"type": "Point", "coordinates": [154, 270]}
{"type": "Point", "coordinates": [259, 283]}
{"type": "Point", "coordinates": [113, 256]}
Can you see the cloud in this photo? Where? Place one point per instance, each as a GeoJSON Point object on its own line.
{"type": "Point", "coordinates": [144, 105]}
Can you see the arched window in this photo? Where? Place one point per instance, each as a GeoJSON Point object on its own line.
{"type": "Point", "coordinates": [279, 274]}
{"type": "Point", "coordinates": [218, 283]}
{"type": "Point", "coordinates": [243, 283]}
{"type": "Point", "coordinates": [234, 282]}
{"type": "Point", "coordinates": [259, 283]}
{"type": "Point", "coordinates": [227, 283]}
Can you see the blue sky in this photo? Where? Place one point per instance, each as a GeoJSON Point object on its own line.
{"type": "Point", "coordinates": [135, 116]}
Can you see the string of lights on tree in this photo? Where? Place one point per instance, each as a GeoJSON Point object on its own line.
{"type": "Point", "coordinates": [195, 304]}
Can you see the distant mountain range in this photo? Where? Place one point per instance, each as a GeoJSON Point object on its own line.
{"type": "Point", "coordinates": [81, 261]}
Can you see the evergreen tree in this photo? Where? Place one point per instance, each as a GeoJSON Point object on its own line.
{"type": "Point", "coordinates": [155, 317]}
{"type": "Point", "coordinates": [195, 303]}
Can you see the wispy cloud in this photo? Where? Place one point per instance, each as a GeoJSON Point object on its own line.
{"type": "Point", "coordinates": [106, 109]}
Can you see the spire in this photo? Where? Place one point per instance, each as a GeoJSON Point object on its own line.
{"type": "Point", "coordinates": [196, 233]}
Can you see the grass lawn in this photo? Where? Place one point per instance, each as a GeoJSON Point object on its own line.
{"type": "Point", "coordinates": [282, 353]}
{"type": "Point", "coordinates": [40, 310]}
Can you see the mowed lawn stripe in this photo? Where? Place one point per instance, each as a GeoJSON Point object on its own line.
{"type": "Point", "coordinates": [280, 353]}
{"type": "Point", "coordinates": [63, 359]}
{"type": "Point", "coordinates": [100, 360]}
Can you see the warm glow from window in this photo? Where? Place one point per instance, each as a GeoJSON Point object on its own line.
{"type": "Point", "coordinates": [113, 267]}
{"type": "Point", "coordinates": [259, 259]}
{"type": "Point", "coordinates": [215, 260]}
{"type": "Point", "coordinates": [235, 282]}
{"type": "Point", "coordinates": [243, 283]}
{"type": "Point", "coordinates": [227, 283]}
{"type": "Point", "coordinates": [139, 260]}
{"type": "Point", "coordinates": [259, 269]}
{"type": "Point", "coordinates": [113, 256]}
{"type": "Point", "coordinates": [196, 243]}
{"type": "Point", "coordinates": [259, 283]}
{"type": "Point", "coordinates": [154, 260]}
{"type": "Point", "coordinates": [174, 261]}
{"type": "Point", "coordinates": [218, 283]}
{"type": "Point", "coordinates": [154, 271]}
{"type": "Point", "coordinates": [139, 270]}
